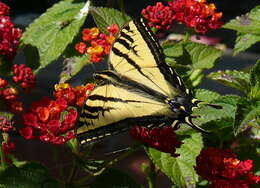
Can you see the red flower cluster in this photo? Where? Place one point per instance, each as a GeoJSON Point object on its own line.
{"type": "Point", "coordinates": [4, 9]}
{"type": "Point", "coordinates": [159, 16]}
{"type": "Point", "coordinates": [97, 44]}
{"type": "Point", "coordinates": [54, 120]}
{"type": "Point", "coordinates": [5, 124]}
{"type": "Point", "coordinates": [50, 121]}
{"type": "Point", "coordinates": [9, 36]}
{"type": "Point", "coordinates": [74, 96]}
{"type": "Point", "coordinates": [8, 94]}
{"type": "Point", "coordinates": [163, 139]}
{"type": "Point", "coordinates": [197, 14]}
{"type": "Point", "coordinates": [224, 170]}
{"type": "Point", "coordinates": [24, 76]}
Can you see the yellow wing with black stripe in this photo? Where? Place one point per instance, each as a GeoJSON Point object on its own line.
{"type": "Point", "coordinates": [138, 89]}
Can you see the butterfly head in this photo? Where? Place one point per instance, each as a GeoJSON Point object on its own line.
{"type": "Point", "coordinates": [183, 106]}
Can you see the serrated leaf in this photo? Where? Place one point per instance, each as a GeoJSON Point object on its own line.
{"type": "Point", "coordinates": [246, 115]}
{"type": "Point", "coordinates": [244, 41]}
{"type": "Point", "coordinates": [207, 113]}
{"type": "Point", "coordinates": [105, 17]}
{"type": "Point", "coordinates": [180, 170]}
{"type": "Point", "coordinates": [249, 23]}
{"type": "Point", "coordinates": [232, 78]}
{"type": "Point", "coordinates": [202, 56]}
{"type": "Point", "coordinates": [30, 175]}
{"type": "Point", "coordinates": [113, 178]}
{"type": "Point", "coordinates": [72, 66]}
{"type": "Point", "coordinates": [206, 95]}
{"type": "Point", "coordinates": [54, 30]}
{"type": "Point", "coordinates": [255, 82]}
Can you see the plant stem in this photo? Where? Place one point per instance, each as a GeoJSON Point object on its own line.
{"type": "Point", "coordinates": [186, 37]}
{"type": "Point", "coordinates": [2, 155]}
{"type": "Point", "coordinates": [151, 175]}
{"type": "Point", "coordinates": [73, 171]}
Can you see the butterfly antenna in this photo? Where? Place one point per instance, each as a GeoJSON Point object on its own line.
{"type": "Point", "coordinates": [188, 120]}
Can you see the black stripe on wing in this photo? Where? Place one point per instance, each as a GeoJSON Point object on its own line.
{"type": "Point", "coordinates": [109, 77]}
{"type": "Point", "coordinates": [128, 59]}
{"type": "Point", "coordinates": [110, 99]}
{"type": "Point", "coordinates": [169, 74]}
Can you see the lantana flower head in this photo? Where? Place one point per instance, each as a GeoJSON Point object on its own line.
{"type": "Point", "coordinates": [9, 96]}
{"type": "Point", "coordinates": [197, 14]}
{"type": "Point", "coordinates": [48, 121]}
{"type": "Point", "coordinates": [159, 16]}
{"type": "Point", "coordinates": [24, 76]}
{"type": "Point", "coordinates": [223, 170]}
{"type": "Point", "coordinates": [9, 35]}
{"type": "Point", "coordinates": [95, 43]}
{"type": "Point", "coordinates": [54, 120]}
{"type": "Point", "coordinates": [163, 139]}
{"type": "Point", "coordinates": [74, 96]}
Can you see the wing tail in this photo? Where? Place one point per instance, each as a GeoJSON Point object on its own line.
{"type": "Point", "coordinates": [188, 120]}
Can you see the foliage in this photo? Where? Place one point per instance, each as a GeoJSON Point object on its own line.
{"type": "Point", "coordinates": [54, 35]}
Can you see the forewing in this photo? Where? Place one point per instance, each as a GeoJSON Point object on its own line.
{"type": "Point", "coordinates": [136, 54]}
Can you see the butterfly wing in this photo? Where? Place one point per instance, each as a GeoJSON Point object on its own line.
{"type": "Point", "coordinates": [111, 109]}
{"type": "Point", "coordinates": [135, 90]}
{"type": "Point", "coordinates": [136, 54]}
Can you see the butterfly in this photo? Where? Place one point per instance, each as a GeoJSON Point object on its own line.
{"type": "Point", "coordinates": [138, 88]}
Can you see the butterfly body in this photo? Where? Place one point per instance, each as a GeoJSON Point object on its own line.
{"type": "Point", "coordinates": [139, 88]}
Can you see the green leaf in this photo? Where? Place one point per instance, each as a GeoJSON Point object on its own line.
{"type": "Point", "coordinates": [244, 41]}
{"type": "Point", "coordinates": [54, 30]}
{"type": "Point", "coordinates": [206, 95]}
{"type": "Point", "coordinates": [249, 23]}
{"type": "Point", "coordinates": [180, 169]}
{"type": "Point", "coordinates": [247, 115]}
{"type": "Point", "coordinates": [171, 49]}
{"type": "Point", "coordinates": [202, 56]}
{"type": "Point", "coordinates": [232, 78]}
{"type": "Point", "coordinates": [113, 178]}
{"type": "Point", "coordinates": [207, 113]}
{"type": "Point", "coordinates": [72, 66]}
{"type": "Point", "coordinates": [255, 82]}
{"type": "Point", "coordinates": [30, 175]}
{"type": "Point", "coordinates": [105, 17]}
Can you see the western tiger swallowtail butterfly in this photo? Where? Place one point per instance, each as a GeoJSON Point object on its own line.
{"type": "Point", "coordinates": [139, 88]}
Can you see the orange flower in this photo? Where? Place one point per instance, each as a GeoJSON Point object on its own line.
{"type": "Point", "coordinates": [98, 44]}
{"type": "Point", "coordinates": [43, 113]}
{"type": "Point", "coordinates": [90, 34]}
{"type": "Point", "coordinates": [81, 47]}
